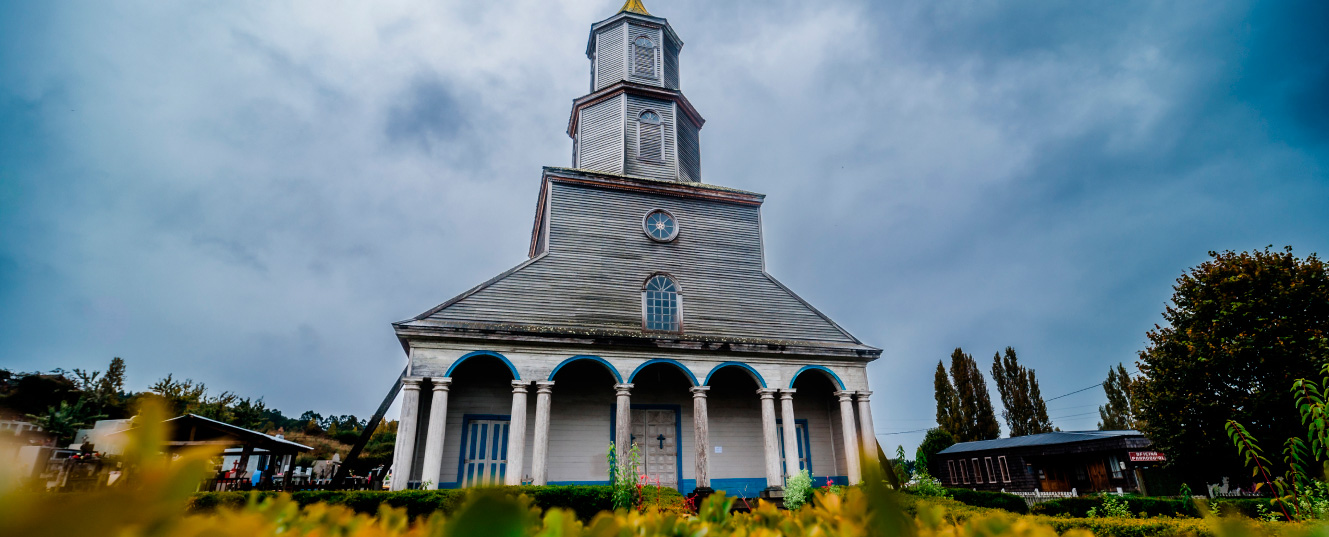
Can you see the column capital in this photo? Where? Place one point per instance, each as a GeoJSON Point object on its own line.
{"type": "Point", "coordinates": [623, 389]}
{"type": "Point", "coordinates": [767, 393]}
{"type": "Point", "coordinates": [441, 384]}
{"type": "Point", "coordinates": [544, 386]}
{"type": "Point", "coordinates": [699, 391]}
{"type": "Point", "coordinates": [845, 396]}
{"type": "Point", "coordinates": [411, 383]}
{"type": "Point", "coordinates": [863, 394]}
{"type": "Point", "coordinates": [787, 393]}
{"type": "Point", "coordinates": [520, 386]}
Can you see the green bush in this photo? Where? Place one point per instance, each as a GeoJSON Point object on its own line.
{"type": "Point", "coordinates": [994, 500]}
{"type": "Point", "coordinates": [1141, 506]}
{"type": "Point", "coordinates": [586, 501]}
{"type": "Point", "coordinates": [797, 490]}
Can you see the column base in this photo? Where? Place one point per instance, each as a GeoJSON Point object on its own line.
{"type": "Point", "coordinates": [700, 493]}
{"type": "Point", "coordinates": [772, 493]}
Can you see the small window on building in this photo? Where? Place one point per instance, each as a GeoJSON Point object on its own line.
{"type": "Point", "coordinates": [1115, 465]}
{"type": "Point", "coordinates": [964, 476]}
{"type": "Point", "coordinates": [987, 465]}
{"type": "Point", "coordinates": [643, 57]}
{"type": "Point", "coordinates": [662, 307]}
{"type": "Point", "coordinates": [1005, 470]}
{"type": "Point", "coordinates": [950, 466]}
{"type": "Point", "coordinates": [978, 472]}
{"type": "Point", "coordinates": [650, 137]}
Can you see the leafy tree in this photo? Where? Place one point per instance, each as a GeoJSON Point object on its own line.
{"type": "Point", "coordinates": [1241, 328]}
{"type": "Point", "coordinates": [973, 418]}
{"type": "Point", "coordinates": [948, 403]}
{"type": "Point", "coordinates": [34, 393]}
{"type": "Point", "coordinates": [934, 441]}
{"type": "Point", "coordinates": [64, 421]}
{"type": "Point", "coordinates": [1025, 412]}
{"type": "Point", "coordinates": [1119, 413]}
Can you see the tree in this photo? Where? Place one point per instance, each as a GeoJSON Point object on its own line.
{"type": "Point", "coordinates": [64, 421]}
{"type": "Point", "coordinates": [934, 441]}
{"type": "Point", "coordinates": [1242, 327]}
{"type": "Point", "coordinates": [1025, 412]}
{"type": "Point", "coordinates": [948, 403]}
{"type": "Point", "coordinates": [972, 417]}
{"type": "Point", "coordinates": [1119, 413]}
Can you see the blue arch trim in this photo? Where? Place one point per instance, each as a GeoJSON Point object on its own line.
{"type": "Point", "coordinates": [468, 355]}
{"type": "Point", "coordinates": [617, 377]}
{"type": "Point", "coordinates": [754, 372]}
{"type": "Point", "coordinates": [818, 367]}
{"type": "Point", "coordinates": [692, 378]}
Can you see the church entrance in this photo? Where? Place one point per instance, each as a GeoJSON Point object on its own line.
{"type": "Point", "coordinates": [655, 433]}
{"type": "Point", "coordinates": [484, 451]}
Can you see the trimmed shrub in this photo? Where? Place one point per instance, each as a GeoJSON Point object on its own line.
{"type": "Point", "coordinates": [994, 500]}
{"type": "Point", "coordinates": [586, 501]}
{"type": "Point", "coordinates": [1142, 506]}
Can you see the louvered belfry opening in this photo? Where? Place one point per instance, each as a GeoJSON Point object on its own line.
{"type": "Point", "coordinates": [643, 57]}
{"type": "Point", "coordinates": [650, 137]}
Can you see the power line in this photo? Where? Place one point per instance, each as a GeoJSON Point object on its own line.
{"type": "Point", "coordinates": [903, 432]}
{"type": "Point", "coordinates": [1137, 372]}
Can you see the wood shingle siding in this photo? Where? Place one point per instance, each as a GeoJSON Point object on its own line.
{"type": "Point", "coordinates": [610, 60]}
{"type": "Point", "coordinates": [662, 168]}
{"type": "Point", "coordinates": [598, 259]}
{"type": "Point", "coordinates": [600, 136]}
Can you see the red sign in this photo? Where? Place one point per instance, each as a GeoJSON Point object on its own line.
{"type": "Point", "coordinates": [1147, 456]}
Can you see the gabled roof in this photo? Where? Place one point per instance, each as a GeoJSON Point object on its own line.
{"type": "Point", "coordinates": [193, 429]}
{"type": "Point", "coordinates": [1044, 439]}
{"type": "Point", "coordinates": [589, 291]}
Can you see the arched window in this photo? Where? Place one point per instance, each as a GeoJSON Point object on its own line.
{"type": "Point", "coordinates": [643, 57]}
{"type": "Point", "coordinates": [662, 307]}
{"type": "Point", "coordinates": [650, 137]}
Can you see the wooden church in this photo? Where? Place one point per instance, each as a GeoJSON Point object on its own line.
{"type": "Point", "coordinates": [643, 317]}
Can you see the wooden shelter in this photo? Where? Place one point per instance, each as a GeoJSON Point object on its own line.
{"type": "Point", "coordinates": [191, 430]}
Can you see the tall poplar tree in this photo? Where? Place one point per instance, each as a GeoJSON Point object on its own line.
{"type": "Point", "coordinates": [948, 403]}
{"type": "Point", "coordinates": [1119, 413]}
{"type": "Point", "coordinates": [976, 420]}
{"type": "Point", "coordinates": [1025, 411]}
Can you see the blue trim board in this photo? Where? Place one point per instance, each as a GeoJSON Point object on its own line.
{"type": "Point", "coordinates": [681, 367]}
{"type": "Point", "coordinates": [472, 354]}
{"type": "Point", "coordinates": [754, 372]}
{"type": "Point", "coordinates": [612, 369]}
{"type": "Point", "coordinates": [465, 433]}
{"type": "Point", "coordinates": [733, 487]}
{"type": "Point", "coordinates": [827, 370]}
{"type": "Point", "coordinates": [678, 431]}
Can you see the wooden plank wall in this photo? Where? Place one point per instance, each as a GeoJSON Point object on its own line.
{"type": "Point", "coordinates": [671, 78]}
{"type": "Point", "coordinates": [599, 258]}
{"type": "Point", "coordinates": [610, 56]}
{"type": "Point", "coordinates": [600, 135]}
{"type": "Point", "coordinates": [656, 37]}
{"type": "Point", "coordinates": [689, 150]}
{"type": "Point", "coordinates": [661, 169]}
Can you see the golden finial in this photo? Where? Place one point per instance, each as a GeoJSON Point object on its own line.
{"type": "Point", "coordinates": [634, 6]}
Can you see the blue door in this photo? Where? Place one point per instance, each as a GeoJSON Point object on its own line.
{"type": "Point", "coordinates": [801, 436]}
{"type": "Point", "coordinates": [485, 455]}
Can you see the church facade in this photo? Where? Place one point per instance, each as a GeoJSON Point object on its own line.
{"type": "Point", "coordinates": [644, 317]}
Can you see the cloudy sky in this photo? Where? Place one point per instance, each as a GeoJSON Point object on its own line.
{"type": "Point", "coordinates": [248, 193]}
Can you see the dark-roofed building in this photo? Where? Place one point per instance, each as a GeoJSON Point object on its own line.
{"type": "Point", "coordinates": [1086, 461]}
{"type": "Point", "coordinates": [644, 316]}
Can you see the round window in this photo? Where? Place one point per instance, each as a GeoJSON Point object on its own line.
{"type": "Point", "coordinates": [660, 226]}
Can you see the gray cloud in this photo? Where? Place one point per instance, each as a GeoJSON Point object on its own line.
{"type": "Point", "coordinates": [247, 194]}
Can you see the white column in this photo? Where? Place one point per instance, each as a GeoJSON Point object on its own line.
{"type": "Point", "coordinates": [865, 428]}
{"type": "Point", "coordinates": [544, 390]}
{"type": "Point", "coordinates": [790, 435]}
{"type": "Point", "coordinates": [438, 417]}
{"type": "Point", "coordinates": [622, 423]}
{"type": "Point", "coordinates": [701, 436]}
{"type": "Point", "coordinates": [769, 438]}
{"type": "Point", "coordinates": [850, 432]}
{"type": "Point", "coordinates": [404, 459]}
{"type": "Point", "coordinates": [517, 434]}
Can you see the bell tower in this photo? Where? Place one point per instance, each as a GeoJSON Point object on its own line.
{"type": "Point", "coordinates": [635, 120]}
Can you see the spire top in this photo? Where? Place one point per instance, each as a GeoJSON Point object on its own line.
{"type": "Point", "coordinates": [634, 6]}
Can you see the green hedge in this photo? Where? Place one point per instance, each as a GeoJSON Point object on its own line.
{"type": "Point", "coordinates": [1148, 506]}
{"type": "Point", "coordinates": [994, 500]}
{"type": "Point", "coordinates": [586, 501]}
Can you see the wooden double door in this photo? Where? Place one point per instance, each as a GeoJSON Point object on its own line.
{"type": "Point", "coordinates": [655, 433]}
